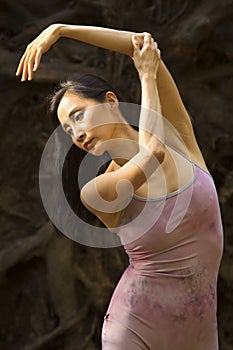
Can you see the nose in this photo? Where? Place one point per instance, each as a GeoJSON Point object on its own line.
{"type": "Point", "coordinates": [79, 135]}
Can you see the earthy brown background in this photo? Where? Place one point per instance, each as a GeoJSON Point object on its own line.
{"type": "Point", "coordinates": [53, 291]}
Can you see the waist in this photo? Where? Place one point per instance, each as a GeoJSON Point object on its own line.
{"type": "Point", "coordinates": [176, 267]}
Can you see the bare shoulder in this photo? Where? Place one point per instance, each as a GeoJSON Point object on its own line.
{"type": "Point", "coordinates": [198, 159]}
{"type": "Point", "coordinates": [105, 185]}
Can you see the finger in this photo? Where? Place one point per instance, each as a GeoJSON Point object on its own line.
{"type": "Point", "coordinates": [135, 42]}
{"type": "Point", "coordinates": [147, 39]}
{"type": "Point", "coordinates": [37, 60]}
{"type": "Point", "coordinates": [155, 46]}
{"type": "Point", "coordinates": [154, 42]}
{"type": "Point", "coordinates": [155, 49]}
{"type": "Point", "coordinates": [136, 46]}
{"type": "Point", "coordinates": [20, 66]}
{"type": "Point", "coordinates": [30, 69]}
{"type": "Point", "coordinates": [25, 71]}
{"type": "Point", "coordinates": [159, 53]}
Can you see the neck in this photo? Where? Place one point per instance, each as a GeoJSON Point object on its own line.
{"type": "Point", "coordinates": [125, 144]}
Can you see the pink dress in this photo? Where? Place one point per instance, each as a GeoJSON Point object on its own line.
{"type": "Point", "coordinates": [166, 298]}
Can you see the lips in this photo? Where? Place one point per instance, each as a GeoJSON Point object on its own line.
{"type": "Point", "coordinates": [88, 144]}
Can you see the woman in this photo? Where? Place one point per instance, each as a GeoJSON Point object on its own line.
{"type": "Point", "coordinates": [158, 197]}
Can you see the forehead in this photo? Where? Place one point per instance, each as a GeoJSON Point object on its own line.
{"type": "Point", "coordinates": [68, 102]}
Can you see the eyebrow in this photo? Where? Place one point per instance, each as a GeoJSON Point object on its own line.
{"type": "Point", "coordinates": [74, 110]}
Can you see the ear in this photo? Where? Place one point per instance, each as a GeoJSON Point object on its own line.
{"type": "Point", "coordinates": [110, 97]}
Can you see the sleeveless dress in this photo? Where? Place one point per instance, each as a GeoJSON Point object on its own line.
{"type": "Point", "coordinates": [166, 298]}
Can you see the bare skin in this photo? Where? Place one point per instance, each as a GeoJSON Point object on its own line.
{"type": "Point", "coordinates": [119, 41]}
{"type": "Point", "coordinates": [157, 86]}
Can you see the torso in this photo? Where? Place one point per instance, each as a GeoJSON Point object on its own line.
{"type": "Point", "coordinates": [175, 248]}
{"type": "Point", "coordinates": [174, 173]}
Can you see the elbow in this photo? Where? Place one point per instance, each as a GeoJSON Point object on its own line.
{"type": "Point", "coordinates": [160, 153]}
{"type": "Point", "coordinates": [86, 197]}
{"type": "Point", "coordinates": [82, 198]}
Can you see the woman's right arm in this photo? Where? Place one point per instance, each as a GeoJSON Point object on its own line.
{"type": "Point", "coordinates": [120, 41]}
{"type": "Point", "coordinates": [110, 39]}
{"type": "Point", "coordinates": [172, 106]}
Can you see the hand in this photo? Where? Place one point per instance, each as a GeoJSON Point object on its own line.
{"type": "Point", "coordinates": [30, 60]}
{"type": "Point", "coordinates": [147, 57]}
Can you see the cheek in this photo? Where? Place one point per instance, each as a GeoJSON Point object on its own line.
{"type": "Point", "coordinates": [98, 117]}
{"type": "Point", "coordinates": [98, 127]}
{"type": "Point", "coordinates": [104, 132]}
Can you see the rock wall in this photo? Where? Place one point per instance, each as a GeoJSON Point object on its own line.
{"type": "Point", "coordinates": [53, 291]}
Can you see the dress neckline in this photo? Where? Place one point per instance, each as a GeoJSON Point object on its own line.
{"type": "Point", "coordinates": [174, 193]}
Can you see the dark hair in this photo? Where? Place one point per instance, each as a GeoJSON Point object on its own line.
{"type": "Point", "coordinates": [88, 86]}
{"type": "Point", "coordinates": [85, 85]}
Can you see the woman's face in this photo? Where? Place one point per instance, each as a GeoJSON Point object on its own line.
{"type": "Point", "coordinates": [88, 122]}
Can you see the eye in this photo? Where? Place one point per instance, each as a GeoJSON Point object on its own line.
{"type": "Point", "coordinates": [69, 131]}
{"type": "Point", "coordinates": [78, 116]}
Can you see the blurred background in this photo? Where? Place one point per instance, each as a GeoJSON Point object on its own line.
{"type": "Point", "coordinates": [54, 292]}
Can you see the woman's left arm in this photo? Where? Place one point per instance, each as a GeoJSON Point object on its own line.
{"type": "Point", "coordinates": [172, 106]}
{"type": "Point", "coordinates": [120, 41]}
{"type": "Point", "coordinates": [108, 194]}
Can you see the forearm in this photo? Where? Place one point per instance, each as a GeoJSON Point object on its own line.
{"type": "Point", "coordinates": [149, 94]}
{"type": "Point", "coordinates": [151, 131]}
{"type": "Point", "coordinates": [110, 39]}
{"type": "Point", "coordinates": [122, 182]}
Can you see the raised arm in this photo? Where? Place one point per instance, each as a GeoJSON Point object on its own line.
{"type": "Point", "coordinates": [107, 194]}
{"type": "Point", "coordinates": [111, 39]}
{"type": "Point", "coordinates": [120, 41]}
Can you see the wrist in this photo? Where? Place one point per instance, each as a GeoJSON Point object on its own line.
{"type": "Point", "coordinates": [148, 77]}
{"type": "Point", "coordinates": [61, 29]}
{"type": "Point", "coordinates": [148, 85]}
